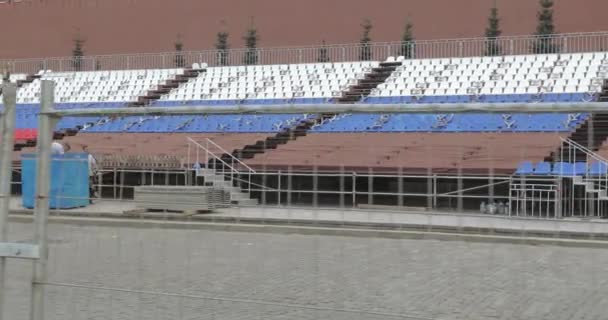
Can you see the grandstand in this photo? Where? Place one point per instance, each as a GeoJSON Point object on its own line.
{"type": "Point", "coordinates": [352, 146]}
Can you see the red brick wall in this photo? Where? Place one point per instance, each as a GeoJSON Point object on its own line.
{"type": "Point", "coordinates": [134, 26]}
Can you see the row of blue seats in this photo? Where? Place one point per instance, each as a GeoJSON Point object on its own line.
{"type": "Point", "coordinates": [200, 123]}
{"type": "Point", "coordinates": [562, 169]}
{"type": "Point", "coordinates": [342, 123]}
{"type": "Point", "coordinates": [492, 98]}
{"type": "Point", "coordinates": [549, 122]}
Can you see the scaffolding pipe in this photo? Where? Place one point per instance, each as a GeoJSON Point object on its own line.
{"type": "Point", "coordinates": [41, 207]}
{"type": "Point", "coordinates": [497, 108]}
{"type": "Point", "coordinates": [9, 93]}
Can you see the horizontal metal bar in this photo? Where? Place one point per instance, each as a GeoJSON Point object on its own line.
{"type": "Point", "coordinates": [19, 250]}
{"type": "Point", "coordinates": [339, 108]}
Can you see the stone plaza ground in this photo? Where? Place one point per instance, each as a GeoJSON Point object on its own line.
{"type": "Point", "coordinates": [130, 272]}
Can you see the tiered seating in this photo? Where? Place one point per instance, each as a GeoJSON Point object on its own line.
{"type": "Point", "coordinates": [473, 142]}
{"type": "Point", "coordinates": [26, 134]}
{"type": "Point", "coordinates": [410, 152]}
{"type": "Point", "coordinates": [267, 84]}
{"type": "Point", "coordinates": [524, 78]}
{"type": "Point", "coordinates": [98, 86]}
{"type": "Point", "coordinates": [153, 144]}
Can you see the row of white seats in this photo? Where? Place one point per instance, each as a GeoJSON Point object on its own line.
{"type": "Point", "coordinates": [492, 82]}
{"type": "Point", "coordinates": [511, 70]}
{"type": "Point", "coordinates": [335, 65]}
{"type": "Point", "coordinates": [413, 77]}
{"type": "Point", "coordinates": [314, 80]}
{"type": "Point", "coordinates": [507, 58]}
{"type": "Point", "coordinates": [241, 96]}
{"type": "Point", "coordinates": [504, 85]}
{"type": "Point", "coordinates": [95, 86]}
{"type": "Point", "coordinates": [458, 73]}
{"type": "Point", "coordinates": [486, 91]}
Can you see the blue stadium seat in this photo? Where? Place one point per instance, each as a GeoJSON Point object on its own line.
{"type": "Point", "coordinates": [525, 168]}
{"type": "Point", "coordinates": [542, 168]}
{"type": "Point", "coordinates": [598, 169]}
{"type": "Point", "coordinates": [568, 169]}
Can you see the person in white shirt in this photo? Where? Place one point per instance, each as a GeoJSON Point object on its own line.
{"type": "Point", "coordinates": [57, 148]}
{"type": "Point", "coordinates": [92, 163]}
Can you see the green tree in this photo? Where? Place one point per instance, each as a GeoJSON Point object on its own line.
{"type": "Point", "coordinates": [221, 45]}
{"type": "Point", "coordinates": [365, 52]}
{"type": "Point", "coordinates": [492, 32]}
{"type": "Point", "coordinates": [179, 60]}
{"type": "Point", "coordinates": [545, 29]}
{"type": "Point", "coordinates": [78, 52]}
{"type": "Point", "coordinates": [251, 43]}
{"type": "Point", "coordinates": [323, 55]}
{"type": "Point", "coordinates": [408, 46]}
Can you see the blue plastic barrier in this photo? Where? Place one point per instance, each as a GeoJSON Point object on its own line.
{"type": "Point", "coordinates": [69, 180]}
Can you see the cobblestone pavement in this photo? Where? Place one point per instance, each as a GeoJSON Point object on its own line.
{"type": "Point", "coordinates": [230, 275]}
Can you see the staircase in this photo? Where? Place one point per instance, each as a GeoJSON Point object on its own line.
{"type": "Point", "coordinates": [604, 93]}
{"type": "Point", "coordinates": [29, 79]}
{"type": "Point", "coordinates": [577, 189]}
{"type": "Point", "coordinates": [594, 183]}
{"type": "Point", "coordinates": [591, 134]}
{"type": "Point", "coordinates": [227, 172]}
{"type": "Point", "coordinates": [353, 94]}
{"type": "Point", "coordinates": [170, 84]}
{"type": "Point", "coordinates": [371, 81]}
{"type": "Point", "coordinates": [282, 137]}
{"type": "Point", "coordinates": [218, 180]}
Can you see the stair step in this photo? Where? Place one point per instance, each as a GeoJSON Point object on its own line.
{"type": "Point", "coordinates": [238, 196]}
{"type": "Point", "coordinates": [246, 202]}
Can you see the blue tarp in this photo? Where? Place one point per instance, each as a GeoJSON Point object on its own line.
{"type": "Point", "coordinates": [69, 180]}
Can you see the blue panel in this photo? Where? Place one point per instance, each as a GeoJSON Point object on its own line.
{"type": "Point", "coordinates": [69, 180]}
{"type": "Point", "coordinates": [542, 168]}
{"type": "Point", "coordinates": [563, 169]}
{"type": "Point", "coordinates": [598, 169]}
{"type": "Point", "coordinates": [525, 168]}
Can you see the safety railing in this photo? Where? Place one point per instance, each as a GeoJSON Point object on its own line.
{"type": "Point", "coordinates": [232, 169]}
{"type": "Point", "coordinates": [594, 179]}
{"type": "Point", "coordinates": [420, 49]}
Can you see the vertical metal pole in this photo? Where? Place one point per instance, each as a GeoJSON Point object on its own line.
{"type": "Point", "coordinates": [315, 187]}
{"type": "Point", "coordinates": [434, 191]}
{"type": "Point", "coordinates": [460, 186]}
{"type": "Point", "coordinates": [279, 175]}
{"type": "Point", "coordinates": [400, 187]}
{"type": "Point", "coordinates": [354, 189]}
{"type": "Point", "coordinates": [370, 186]}
{"type": "Point", "coordinates": [9, 91]}
{"type": "Point", "coordinates": [341, 196]}
{"type": "Point", "coordinates": [41, 207]}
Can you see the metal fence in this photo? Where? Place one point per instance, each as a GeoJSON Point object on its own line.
{"type": "Point", "coordinates": [220, 265]}
{"type": "Point", "coordinates": [421, 49]}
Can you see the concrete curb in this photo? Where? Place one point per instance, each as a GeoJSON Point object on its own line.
{"type": "Point", "coordinates": [279, 226]}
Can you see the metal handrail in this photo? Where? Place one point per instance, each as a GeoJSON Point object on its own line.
{"type": "Point", "coordinates": [588, 152]}
{"type": "Point", "coordinates": [213, 154]}
{"type": "Point", "coordinates": [231, 155]}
